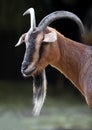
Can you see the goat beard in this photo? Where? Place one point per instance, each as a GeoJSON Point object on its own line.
{"type": "Point", "coordinates": [39, 92]}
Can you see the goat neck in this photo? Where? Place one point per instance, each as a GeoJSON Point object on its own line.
{"type": "Point", "coordinates": [69, 58]}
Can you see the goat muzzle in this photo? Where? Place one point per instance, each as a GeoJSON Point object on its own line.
{"type": "Point", "coordinates": [26, 70]}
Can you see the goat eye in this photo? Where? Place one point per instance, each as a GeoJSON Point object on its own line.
{"type": "Point", "coordinates": [23, 39]}
{"type": "Point", "coordinates": [33, 34]}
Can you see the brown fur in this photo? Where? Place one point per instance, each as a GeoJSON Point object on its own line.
{"type": "Point", "coordinates": [73, 59]}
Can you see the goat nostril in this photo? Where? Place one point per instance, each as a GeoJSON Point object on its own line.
{"type": "Point", "coordinates": [24, 66]}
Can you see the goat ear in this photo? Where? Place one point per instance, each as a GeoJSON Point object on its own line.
{"type": "Point", "coordinates": [50, 37]}
{"type": "Point", "coordinates": [21, 40]}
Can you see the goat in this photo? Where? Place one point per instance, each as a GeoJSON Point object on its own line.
{"type": "Point", "coordinates": [46, 46]}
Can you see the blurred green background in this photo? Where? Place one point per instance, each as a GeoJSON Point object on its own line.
{"type": "Point", "coordinates": [64, 108]}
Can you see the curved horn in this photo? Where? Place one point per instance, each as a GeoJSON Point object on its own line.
{"type": "Point", "coordinates": [32, 17]}
{"type": "Point", "coordinates": [60, 14]}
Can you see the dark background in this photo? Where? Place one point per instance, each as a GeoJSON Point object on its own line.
{"type": "Point", "coordinates": [65, 108]}
{"type": "Point", "coordinates": [13, 24]}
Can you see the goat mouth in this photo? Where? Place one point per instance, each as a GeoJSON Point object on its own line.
{"type": "Point", "coordinates": [27, 72]}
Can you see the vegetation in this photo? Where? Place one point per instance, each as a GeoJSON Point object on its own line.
{"type": "Point", "coordinates": [66, 112]}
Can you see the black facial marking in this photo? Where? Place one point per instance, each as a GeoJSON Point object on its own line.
{"type": "Point", "coordinates": [28, 57]}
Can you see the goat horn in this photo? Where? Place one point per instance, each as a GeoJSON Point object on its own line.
{"type": "Point", "coordinates": [32, 24]}
{"type": "Point", "coordinates": [60, 14]}
{"type": "Point", "coordinates": [32, 17]}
